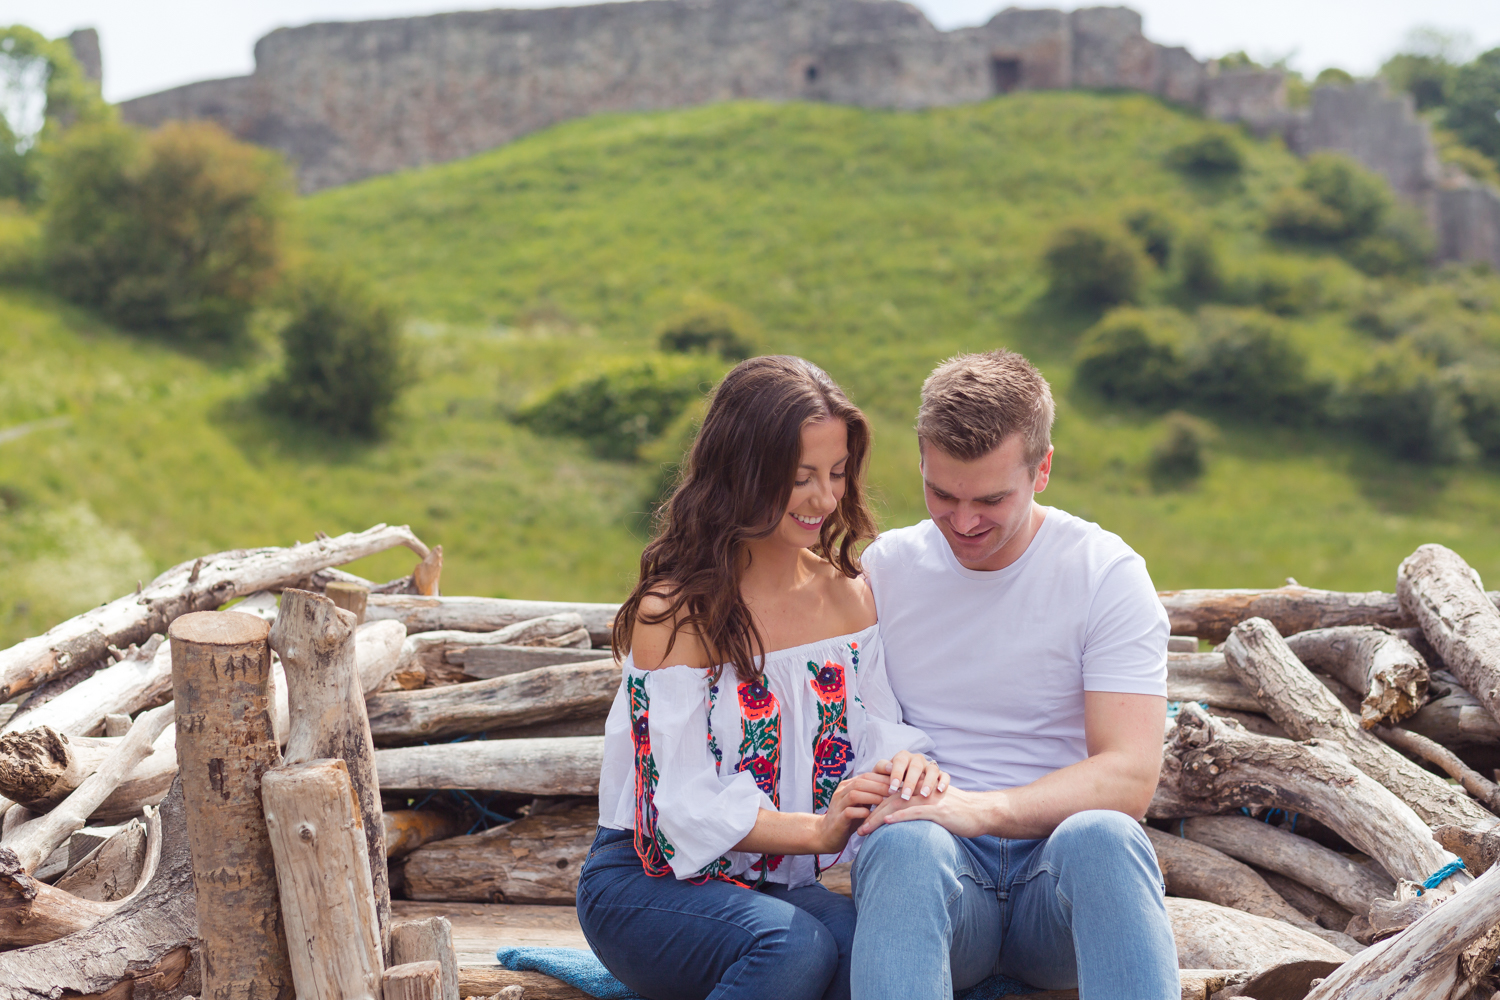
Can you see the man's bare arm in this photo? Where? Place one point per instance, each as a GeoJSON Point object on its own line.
{"type": "Point", "coordinates": [1124, 735]}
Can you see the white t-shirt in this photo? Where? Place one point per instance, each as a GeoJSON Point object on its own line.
{"type": "Point", "coordinates": [993, 664]}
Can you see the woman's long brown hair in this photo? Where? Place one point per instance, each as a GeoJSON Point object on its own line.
{"type": "Point", "coordinates": [734, 488]}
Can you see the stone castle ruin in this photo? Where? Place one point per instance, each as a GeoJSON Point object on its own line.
{"type": "Point", "coordinates": [347, 101]}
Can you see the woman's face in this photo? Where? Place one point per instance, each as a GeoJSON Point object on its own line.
{"type": "Point", "coordinates": [818, 485]}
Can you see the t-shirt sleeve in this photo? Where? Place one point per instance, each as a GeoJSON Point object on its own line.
{"type": "Point", "coordinates": [1125, 645]}
{"type": "Point", "coordinates": [701, 816]}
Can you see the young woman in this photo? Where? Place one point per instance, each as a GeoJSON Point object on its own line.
{"type": "Point", "coordinates": [752, 688]}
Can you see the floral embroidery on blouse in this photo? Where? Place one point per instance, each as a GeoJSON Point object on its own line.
{"type": "Point", "coordinates": [760, 750]}
{"type": "Point", "coordinates": [713, 744]}
{"type": "Point", "coordinates": [832, 751]}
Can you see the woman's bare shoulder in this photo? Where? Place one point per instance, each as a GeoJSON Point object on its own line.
{"type": "Point", "coordinates": [850, 601]}
{"type": "Point", "coordinates": [653, 644]}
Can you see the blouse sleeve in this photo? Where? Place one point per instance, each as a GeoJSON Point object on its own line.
{"type": "Point", "coordinates": [702, 816]}
{"type": "Point", "coordinates": [883, 733]}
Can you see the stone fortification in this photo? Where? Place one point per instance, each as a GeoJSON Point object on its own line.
{"type": "Point", "coordinates": [350, 100]}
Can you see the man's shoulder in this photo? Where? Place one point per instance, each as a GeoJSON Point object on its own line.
{"type": "Point", "coordinates": [1084, 545]}
{"type": "Point", "coordinates": [901, 543]}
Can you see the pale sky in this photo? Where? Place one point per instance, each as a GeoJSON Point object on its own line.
{"type": "Point", "coordinates": [150, 45]}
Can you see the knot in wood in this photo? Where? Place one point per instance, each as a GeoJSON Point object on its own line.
{"type": "Point", "coordinates": [306, 832]}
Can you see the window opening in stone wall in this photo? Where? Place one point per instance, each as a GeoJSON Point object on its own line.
{"type": "Point", "coordinates": [1005, 73]}
{"type": "Point", "coordinates": [812, 74]}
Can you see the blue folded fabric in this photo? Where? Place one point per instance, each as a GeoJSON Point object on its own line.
{"type": "Point", "coordinates": [993, 987]}
{"type": "Point", "coordinates": [575, 966]}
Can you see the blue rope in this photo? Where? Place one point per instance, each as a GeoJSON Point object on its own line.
{"type": "Point", "coordinates": [1174, 708]}
{"type": "Point", "coordinates": [1440, 876]}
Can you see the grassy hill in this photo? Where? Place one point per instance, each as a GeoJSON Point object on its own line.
{"type": "Point", "coordinates": [874, 243]}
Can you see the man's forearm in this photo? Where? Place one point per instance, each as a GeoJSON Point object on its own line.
{"type": "Point", "coordinates": [1104, 781]}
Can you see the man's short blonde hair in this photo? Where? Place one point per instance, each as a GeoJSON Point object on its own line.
{"type": "Point", "coordinates": [973, 402]}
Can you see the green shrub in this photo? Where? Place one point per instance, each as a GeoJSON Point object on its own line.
{"type": "Point", "coordinates": [344, 364]}
{"type": "Point", "coordinates": [1474, 98]}
{"type": "Point", "coordinates": [1333, 77]}
{"type": "Point", "coordinates": [1130, 356]}
{"type": "Point", "coordinates": [1200, 267]}
{"type": "Point", "coordinates": [620, 407]}
{"type": "Point", "coordinates": [1094, 263]}
{"type": "Point", "coordinates": [1427, 78]}
{"type": "Point", "coordinates": [1283, 286]}
{"type": "Point", "coordinates": [1404, 404]}
{"type": "Point", "coordinates": [34, 69]}
{"type": "Point", "coordinates": [1177, 457]}
{"type": "Point", "coordinates": [1336, 200]}
{"type": "Point", "coordinates": [1215, 153]}
{"type": "Point", "coordinates": [1479, 396]}
{"type": "Point", "coordinates": [176, 231]}
{"type": "Point", "coordinates": [1155, 228]}
{"type": "Point", "coordinates": [1242, 362]}
{"type": "Point", "coordinates": [709, 327]}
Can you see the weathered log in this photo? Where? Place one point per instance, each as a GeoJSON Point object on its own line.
{"type": "Point", "coordinates": [377, 651]}
{"type": "Point", "coordinates": [221, 668]}
{"type": "Point", "coordinates": [1479, 849]}
{"type": "Point", "coordinates": [39, 767]}
{"type": "Point", "coordinates": [1390, 676]}
{"type": "Point", "coordinates": [33, 912]}
{"type": "Point", "coordinates": [147, 785]}
{"type": "Point", "coordinates": [352, 597]}
{"type": "Point", "coordinates": [316, 642]}
{"type": "Point", "coordinates": [483, 614]}
{"type": "Point", "coordinates": [1439, 957]}
{"type": "Point", "coordinates": [116, 724]}
{"type": "Point", "coordinates": [34, 841]}
{"type": "Point", "coordinates": [548, 694]}
{"type": "Point", "coordinates": [112, 870]}
{"type": "Point", "coordinates": [408, 829]}
{"type": "Point", "coordinates": [1306, 709]}
{"type": "Point", "coordinates": [1212, 614]}
{"type": "Point", "coordinates": [323, 871]}
{"type": "Point", "coordinates": [1419, 746]}
{"type": "Point", "coordinates": [1311, 903]}
{"type": "Point", "coordinates": [423, 655]}
{"type": "Point", "coordinates": [562, 766]}
{"type": "Point", "coordinates": [427, 940]}
{"type": "Point", "coordinates": [1454, 718]}
{"type": "Point", "coordinates": [428, 573]}
{"type": "Point", "coordinates": [1195, 871]}
{"type": "Point", "coordinates": [1207, 679]}
{"type": "Point", "coordinates": [484, 662]}
{"type": "Point", "coordinates": [414, 981]}
{"type": "Point", "coordinates": [533, 860]}
{"type": "Point", "coordinates": [143, 679]}
{"type": "Point", "coordinates": [1350, 884]}
{"type": "Point", "coordinates": [1211, 767]}
{"type": "Point", "coordinates": [1444, 594]}
{"type": "Point", "coordinates": [1212, 936]}
{"type": "Point", "coordinates": [198, 585]}
{"type": "Point", "coordinates": [142, 945]}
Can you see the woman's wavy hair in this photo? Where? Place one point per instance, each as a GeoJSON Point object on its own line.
{"type": "Point", "coordinates": [734, 488]}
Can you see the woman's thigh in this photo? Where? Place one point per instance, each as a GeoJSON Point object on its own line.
{"type": "Point", "coordinates": [672, 940]}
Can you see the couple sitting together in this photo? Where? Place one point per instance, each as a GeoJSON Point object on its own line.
{"type": "Point", "coordinates": [972, 709]}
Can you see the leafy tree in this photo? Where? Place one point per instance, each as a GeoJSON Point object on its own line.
{"type": "Point", "coordinates": [1340, 204]}
{"type": "Point", "coordinates": [1474, 101]}
{"type": "Point", "coordinates": [38, 76]}
{"type": "Point", "coordinates": [176, 231]}
{"type": "Point", "coordinates": [1094, 263]}
{"type": "Point", "coordinates": [1131, 356]}
{"type": "Point", "coordinates": [344, 365]}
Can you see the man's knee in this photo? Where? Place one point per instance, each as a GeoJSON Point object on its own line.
{"type": "Point", "coordinates": [901, 857]}
{"type": "Point", "coordinates": [1104, 841]}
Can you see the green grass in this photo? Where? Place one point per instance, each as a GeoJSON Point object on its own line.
{"type": "Point", "coordinates": [874, 243]}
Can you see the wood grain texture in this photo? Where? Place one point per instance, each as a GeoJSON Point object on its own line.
{"type": "Point", "coordinates": [1304, 707]}
{"type": "Point", "coordinates": [1439, 957]}
{"type": "Point", "coordinates": [483, 614]}
{"type": "Point", "coordinates": [198, 585]}
{"type": "Point", "coordinates": [484, 662]}
{"type": "Point", "coordinates": [408, 829]}
{"type": "Point", "coordinates": [377, 651]}
{"type": "Point", "coordinates": [429, 939]}
{"type": "Point", "coordinates": [1206, 678]}
{"type": "Point", "coordinates": [546, 694]}
{"type": "Point", "coordinates": [1212, 936]}
{"type": "Point", "coordinates": [1454, 718]}
{"type": "Point", "coordinates": [1313, 905]}
{"type": "Point", "coordinates": [414, 981]}
{"type": "Point", "coordinates": [315, 640]}
{"type": "Point", "coordinates": [1390, 676]}
{"type": "Point", "coordinates": [225, 744]}
{"type": "Point", "coordinates": [112, 870]}
{"type": "Point", "coordinates": [533, 860]}
{"type": "Point", "coordinates": [1352, 885]}
{"type": "Point", "coordinates": [560, 766]}
{"type": "Point", "coordinates": [323, 874]}
{"type": "Point", "coordinates": [1445, 596]}
{"type": "Point", "coordinates": [425, 656]}
{"type": "Point", "coordinates": [1211, 767]}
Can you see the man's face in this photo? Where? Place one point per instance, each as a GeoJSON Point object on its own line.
{"type": "Point", "coordinates": [983, 507]}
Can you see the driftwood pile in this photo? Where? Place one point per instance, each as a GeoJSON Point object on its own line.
{"type": "Point", "coordinates": [215, 786]}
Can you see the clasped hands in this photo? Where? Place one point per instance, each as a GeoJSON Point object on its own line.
{"type": "Point", "coordinates": [906, 787]}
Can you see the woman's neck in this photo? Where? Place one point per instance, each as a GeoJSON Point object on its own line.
{"type": "Point", "coordinates": [775, 567]}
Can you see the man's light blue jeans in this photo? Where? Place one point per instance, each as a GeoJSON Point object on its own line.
{"type": "Point", "coordinates": [1083, 908]}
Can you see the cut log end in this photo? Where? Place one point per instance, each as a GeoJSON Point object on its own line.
{"type": "Point", "coordinates": [413, 981]}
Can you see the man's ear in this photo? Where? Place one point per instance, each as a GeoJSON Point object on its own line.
{"type": "Point", "coordinates": [1043, 473]}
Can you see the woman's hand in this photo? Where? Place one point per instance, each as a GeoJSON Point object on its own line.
{"type": "Point", "coordinates": [851, 804]}
{"type": "Point", "coordinates": [910, 772]}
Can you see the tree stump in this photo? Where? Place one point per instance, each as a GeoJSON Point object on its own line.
{"type": "Point", "coordinates": [414, 981]}
{"type": "Point", "coordinates": [221, 668]}
{"type": "Point", "coordinates": [350, 596]}
{"type": "Point", "coordinates": [323, 870]}
{"type": "Point", "coordinates": [428, 940]}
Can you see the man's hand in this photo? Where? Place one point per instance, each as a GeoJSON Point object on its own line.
{"type": "Point", "coordinates": [961, 813]}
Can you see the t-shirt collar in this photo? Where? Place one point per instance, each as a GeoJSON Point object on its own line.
{"type": "Point", "coordinates": [993, 576]}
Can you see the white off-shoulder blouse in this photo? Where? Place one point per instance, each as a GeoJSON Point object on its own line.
{"type": "Point", "coordinates": [688, 764]}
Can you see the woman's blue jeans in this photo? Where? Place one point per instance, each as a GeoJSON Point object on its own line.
{"type": "Point", "coordinates": [672, 940]}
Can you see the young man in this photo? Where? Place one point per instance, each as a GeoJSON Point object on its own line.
{"type": "Point", "coordinates": [1030, 645]}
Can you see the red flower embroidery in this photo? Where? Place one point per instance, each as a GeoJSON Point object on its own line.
{"type": "Point", "coordinates": [828, 683]}
{"type": "Point", "coordinates": [756, 701]}
{"type": "Point", "coordinates": [762, 771]}
{"type": "Point", "coordinates": [831, 757]}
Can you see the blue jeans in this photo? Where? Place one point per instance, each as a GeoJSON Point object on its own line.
{"type": "Point", "coordinates": [671, 940]}
{"type": "Point", "coordinates": [1083, 908]}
